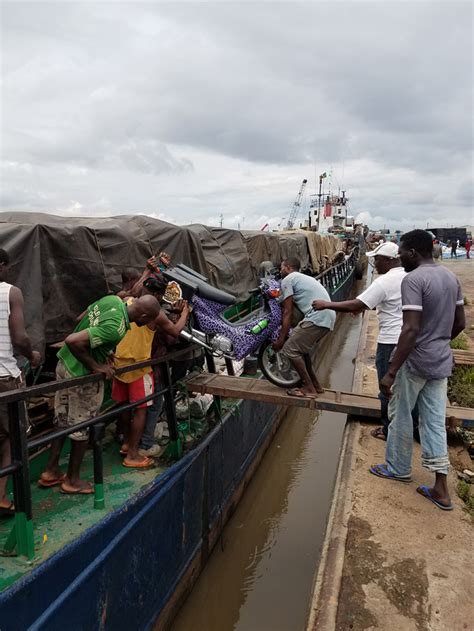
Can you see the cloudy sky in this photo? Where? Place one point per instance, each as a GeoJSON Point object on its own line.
{"type": "Point", "coordinates": [190, 111]}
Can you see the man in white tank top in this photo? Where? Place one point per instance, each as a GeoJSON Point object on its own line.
{"type": "Point", "coordinates": [13, 336]}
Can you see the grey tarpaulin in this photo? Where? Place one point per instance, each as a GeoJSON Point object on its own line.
{"type": "Point", "coordinates": [62, 264]}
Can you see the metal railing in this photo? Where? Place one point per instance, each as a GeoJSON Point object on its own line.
{"type": "Point", "coordinates": [21, 536]}
{"type": "Point", "coordinates": [333, 277]}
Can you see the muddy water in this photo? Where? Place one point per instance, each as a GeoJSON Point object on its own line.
{"type": "Point", "coordinates": [262, 578]}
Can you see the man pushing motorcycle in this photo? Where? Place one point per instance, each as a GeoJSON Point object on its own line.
{"type": "Point", "coordinates": [299, 290]}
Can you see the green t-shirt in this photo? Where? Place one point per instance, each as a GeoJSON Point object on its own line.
{"type": "Point", "coordinates": [106, 322]}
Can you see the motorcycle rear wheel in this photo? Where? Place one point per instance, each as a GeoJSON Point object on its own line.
{"type": "Point", "coordinates": [276, 367]}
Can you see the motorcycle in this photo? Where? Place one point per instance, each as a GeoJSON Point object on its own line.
{"type": "Point", "coordinates": [231, 329]}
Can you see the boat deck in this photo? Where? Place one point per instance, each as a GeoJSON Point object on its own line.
{"type": "Point", "coordinates": [59, 518]}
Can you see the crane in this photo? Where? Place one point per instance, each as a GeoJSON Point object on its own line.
{"type": "Point", "coordinates": [296, 206]}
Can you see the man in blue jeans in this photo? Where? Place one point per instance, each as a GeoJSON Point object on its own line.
{"type": "Point", "coordinates": [433, 314]}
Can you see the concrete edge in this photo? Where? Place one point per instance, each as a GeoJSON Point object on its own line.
{"type": "Point", "coordinates": [328, 578]}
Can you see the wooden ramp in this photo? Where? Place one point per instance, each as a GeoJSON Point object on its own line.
{"type": "Point", "coordinates": [331, 400]}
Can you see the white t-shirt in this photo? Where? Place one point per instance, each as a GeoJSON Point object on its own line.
{"type": "Point", "coordinates": [385, 295]}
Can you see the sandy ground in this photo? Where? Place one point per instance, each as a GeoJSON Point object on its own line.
{"type": "Point", "coordinates": [407, 565]}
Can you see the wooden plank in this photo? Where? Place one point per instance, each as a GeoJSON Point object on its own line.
{"type": "Point", "coordinates": [263, 390]}
{"type": "Point", "coordinates": [463, 358]}
{"type": "Point", "coordinates": [353, 403]}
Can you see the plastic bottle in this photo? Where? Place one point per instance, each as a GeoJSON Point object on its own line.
{"type": "Point", "coordinates": [258, 328]}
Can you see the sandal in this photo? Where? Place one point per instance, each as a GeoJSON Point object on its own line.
{"type": "Point", "coordinates": [299, 394]}
{"type": "Point", "coordinates": [146, 463]}
{"type": "Point", "coordinates": [381, 471]}
{"type": "Point", "coordinates": [87, 489]}
{"type": "Point", "coordinates": [426, 492]}
{"type": "Point", "coordinates": [48, 483]}
{"type": "Point", "coordinates": [378, 433]}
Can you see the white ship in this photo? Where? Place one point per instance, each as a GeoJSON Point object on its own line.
{"type": "Point", "coordinates": [329, 212]}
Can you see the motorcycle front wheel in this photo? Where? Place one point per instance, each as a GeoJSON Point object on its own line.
{"type": "Point", "coordinates": [276, 367]}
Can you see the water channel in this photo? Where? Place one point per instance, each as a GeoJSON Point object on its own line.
{"type": "Point", "coordinates": [261, 578]}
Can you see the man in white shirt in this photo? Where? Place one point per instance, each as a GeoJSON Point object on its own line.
{"type": "Point", "coordinates": [384, 295]}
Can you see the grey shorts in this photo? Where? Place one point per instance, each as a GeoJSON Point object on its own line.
{"type": "Point", "coordinates": [6, 385]}
{"type": "Point", "coordinates": [303, 339]}
{"type": "Point", "coordinates": [76, 405]}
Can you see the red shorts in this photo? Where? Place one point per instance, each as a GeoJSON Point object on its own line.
{"type": "Point", "coordinates": [134, 391]}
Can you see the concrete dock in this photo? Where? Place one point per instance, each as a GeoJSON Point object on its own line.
{"type": "Point", "coordinates": [391, 559]}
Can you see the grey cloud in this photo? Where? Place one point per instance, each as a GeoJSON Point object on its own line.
{"type": "Point", "coordinates": [134, 91]}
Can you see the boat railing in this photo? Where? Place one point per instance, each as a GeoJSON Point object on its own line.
{"type": "Point", "coordinates": [334, 276]}
{"type": "Point", "coordinates": [21, 538]}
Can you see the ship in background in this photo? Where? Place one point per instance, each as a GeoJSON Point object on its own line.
{"type": "Point", "coordinates": [328, 212]}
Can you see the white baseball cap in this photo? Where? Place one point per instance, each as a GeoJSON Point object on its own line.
{"type": "Point", "coordinates": [390, 250]}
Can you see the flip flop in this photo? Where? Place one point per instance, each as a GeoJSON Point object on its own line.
{"type": "Point", "coordinates": [85, 490]}
{"type": "Point", "coordinates": [47, 484]}
{"type": "Point", "coordinates": [124, 450]}
{"type": "Point", "coordinates": [381, 471]}
{"type": "Point", "coordinates": [299, 394]}
{"type": "Point", "coordinates": [425, 492]}
{"type": "Point", "coordinates": [378, 433]}
{"type": "Point", "coordinates": [146, 463]}
{"type": "Point", "coordinates": [7, 511]}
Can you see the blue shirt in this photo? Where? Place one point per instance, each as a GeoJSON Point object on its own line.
{"type": "Point", "coordinates": [304, 290]}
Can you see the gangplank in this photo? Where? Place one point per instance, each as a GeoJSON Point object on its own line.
{"type": "Point", "coordinates": [354, 404]}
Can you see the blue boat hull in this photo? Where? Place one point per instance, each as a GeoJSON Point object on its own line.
{"type": "Point", "coordinates": [132, 567]}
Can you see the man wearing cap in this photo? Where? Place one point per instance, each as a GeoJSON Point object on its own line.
{"type": "Point", "coordinates": [384, 295]}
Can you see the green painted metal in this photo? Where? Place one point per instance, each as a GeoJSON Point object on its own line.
{"type": "Point", "coordinates": [21, 538]}
{"type": "Point", "coordinates": [25, 541]}
{"type": "Point", "coordinates": [99, 497]}
{"type": "Point", "coordinates": [174, 449]}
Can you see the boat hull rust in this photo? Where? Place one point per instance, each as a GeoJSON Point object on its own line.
{"type": "Point", "coordinates": [156, 543]}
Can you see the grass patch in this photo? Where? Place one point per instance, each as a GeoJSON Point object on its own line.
{"type": "Point", "coordinates": [463, 489]}
{"type": "Point", "coordinates": [460, 343]}
{"type": "Point", "coordinates": [461, 386]}
{"type": "Point", "coordinates": [467, 302]}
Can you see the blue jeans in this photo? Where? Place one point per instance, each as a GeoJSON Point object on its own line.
{"type": "Point", "coordinates": [152, 415]}
{"type": "Point", "coordinates": [382, 363]}
{"type": "Point", "coordinates": [430, 396]}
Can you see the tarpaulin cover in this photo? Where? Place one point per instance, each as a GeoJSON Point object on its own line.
{"type": "Point", "coordinates": [62, 264]}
